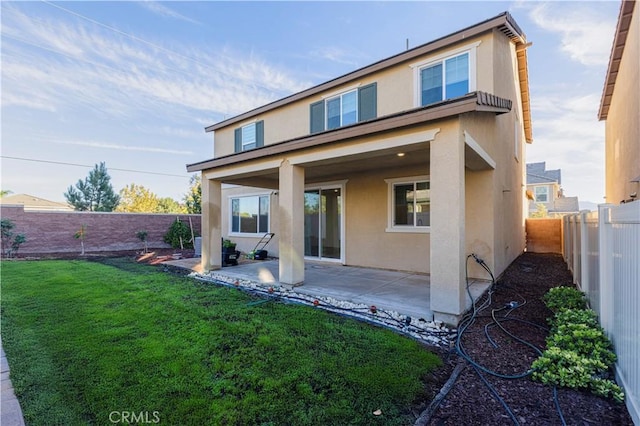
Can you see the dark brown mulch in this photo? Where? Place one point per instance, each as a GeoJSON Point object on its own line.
{"type": "Point", "coordinates": [470, 402]}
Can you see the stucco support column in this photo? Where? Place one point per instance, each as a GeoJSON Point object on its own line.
{"type": "Point", "coordinates": [291, 223]}
{"type": "Point", "coordinates": [447, 176]}
{"type": "Point", "coordinates": [211, 224]}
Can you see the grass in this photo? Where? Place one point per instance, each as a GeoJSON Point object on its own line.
{"type": "Point", "coordinates": [87, 339]}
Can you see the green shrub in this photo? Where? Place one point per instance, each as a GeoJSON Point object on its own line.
{"type": "Point", "coordinates": [585, 340]}
{"type": "Point", "coordinates": [607, 389]}
{"type": "Point", "coordinates": [578, 354]}
{"type": "Point", "coordinates": [10, 242]}
{"type": "Point", "coordinates": [566, 368]}
{"type": "Point", "coordinates": [573, 316]}
{"type": "Point", "coordinates": [559, 298]}
{"type": "Point", "coordinates": [179, 235]}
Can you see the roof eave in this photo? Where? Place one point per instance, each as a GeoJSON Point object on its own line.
{"type": "Point", "coordinates": [619, 40]}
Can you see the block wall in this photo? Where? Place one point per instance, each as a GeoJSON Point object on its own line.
{"type": "Point", "coordinates": [53, 232]}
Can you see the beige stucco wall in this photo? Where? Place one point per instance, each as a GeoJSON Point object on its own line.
{"type": "Point", "coordinates": [395, 91]}
{"type": "Point", "coordinates": [367, 211]}
{"type": "Point", "coordinates": [496, 199]}
{"type": "Point", "coordinates": [247, 243]}
{"type": "Point", "coordinates": [622, 149]}
{"type": "Point", "coordinates": [366, 207]}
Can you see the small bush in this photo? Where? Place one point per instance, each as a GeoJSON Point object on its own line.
{"type": "Point", "coordinates": [179, 235]}
{"type": "Point", "coordinates": [607, 389]}
{"type": "Point", "coordinates": [10, 242]}
{"type": "Point", "coordinates": [578, 354]}
{"type": "Point", "coordinates": [585, 340]}
{"type": "Point", "coordinates": [559, 298]}
{"type": "Point", "coordinates": [573, 316]}
{"type": "Point", "coordinates": [566, 368]}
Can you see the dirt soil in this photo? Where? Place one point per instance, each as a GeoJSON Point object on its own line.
{"type": "Point", "coordinates": [471, 402]}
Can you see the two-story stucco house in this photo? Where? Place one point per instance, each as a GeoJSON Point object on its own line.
{"type": "Point", "coordinates": [620, 109]}
{"type": "Point", "coordinates": [544, 188]}
{"type": "Point", "coordinates": [543, 185]}
{"type": "Point", "coordinates": [410, 163]}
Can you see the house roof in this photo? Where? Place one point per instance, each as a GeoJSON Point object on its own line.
{"type": "Point", "coordinates": [503, 22]}
{"type": "Point", "coordinates": [565, 205]}
{"type": "Point", "coordinates": [31, 202]}
{"type": "Point", "coordinates": [476, 101]}
{"type": "Point", "coordinates": [620, 38]}
{"type": "Point", "coordinates": [537, 174]}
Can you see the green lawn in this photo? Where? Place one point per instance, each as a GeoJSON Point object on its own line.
{"type": "Point", "coordinates": [87, 339]}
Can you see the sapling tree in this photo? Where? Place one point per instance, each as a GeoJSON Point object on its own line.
{"type": "Point", "coordinates": [10, 242]}
{"type": "Point", "coordinates": [81, 235]}
{"type": "Point", "coordinates": [142, 236]}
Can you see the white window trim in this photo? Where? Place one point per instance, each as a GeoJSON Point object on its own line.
{"type": "Point", "coordinates": [341, 91]}
{"type": "Point", "coordinates": [242, 142]}
{"type": "Point", "coordinates": [230, 214]}
{"type": "Point", "coordinates": [326, 107]}
{"type": "Point", "coordinates": [403, 229]}
{"type": "Point", "coordinates": [535, 194]}
{"type": "Point", "coordinates": [418, 66]}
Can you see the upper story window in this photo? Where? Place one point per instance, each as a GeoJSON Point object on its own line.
{"type": "Point", "coordinates": [409, 204]}
{"type": "Point", "coordinates": [446, 76]}
{"type": "Point", "coordinates": [445, 80]}
{"type": "Point", "coordinates": [249, 136]}
{"type": "Point", "coordinates": [541, 194]}
{"type": "Point", "coordinates": [342, 109]}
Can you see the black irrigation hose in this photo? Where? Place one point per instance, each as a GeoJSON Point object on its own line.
{"type": "Point", "coordinates": [516, 338]}
{"type": "Point", "coordinates": [496, 395]}
{"type": "Point", "coordinates": [470, 318]}
{"type": "Point", "coordinates": [491, 324]}
{"type": "Point", "coordinates": [557, 403]}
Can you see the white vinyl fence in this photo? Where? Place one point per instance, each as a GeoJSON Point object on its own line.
{"type": "Point", "coordinates": [602, 250]}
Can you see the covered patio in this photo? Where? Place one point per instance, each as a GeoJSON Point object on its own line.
{"type": "Point", "coordinates": [405, 293]}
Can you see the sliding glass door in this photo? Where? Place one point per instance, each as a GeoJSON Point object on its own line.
{"type": "Point", "coordinates": [323, 223]}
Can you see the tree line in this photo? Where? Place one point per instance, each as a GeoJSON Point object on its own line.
{"type": "Point", "coordinates": [95, 193]}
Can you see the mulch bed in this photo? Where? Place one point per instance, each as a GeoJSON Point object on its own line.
{"type": "Point", "coordinates": [471, 402]}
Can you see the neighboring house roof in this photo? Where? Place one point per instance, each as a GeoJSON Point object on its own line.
{"type": "Point", "coordinates": [476, 101]}
{"type": "Point", "coordinates": [622, 29]}
{"type": "Point", "coordinates": [504, 22]}
{"type": "Point", "coordinates": [565, 205]}
{"type": "Point", "coordinates": [31, 202]}
{"type": "Point", "coordinates": [537, 174]}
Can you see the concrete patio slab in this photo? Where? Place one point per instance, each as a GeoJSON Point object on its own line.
{"type": "Point", "coordinates": [403, 292]}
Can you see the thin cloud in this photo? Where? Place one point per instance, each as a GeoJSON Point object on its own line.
{"type": "Point", "coordinates": [568, 134]}
{"type": "Point", "coordinates": [333, 54]}
{"type": "Point", "coordinates": [585, 36]}
{"type": "Point", "coordinates": [90, 65]}
{"type": "Point", "coordinates": [163, 10]}
{"type": "Point", "coordinates": [112, 146]}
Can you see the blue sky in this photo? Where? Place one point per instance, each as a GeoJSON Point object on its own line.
{"type": "Point", "coordinates": [134, 84]}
